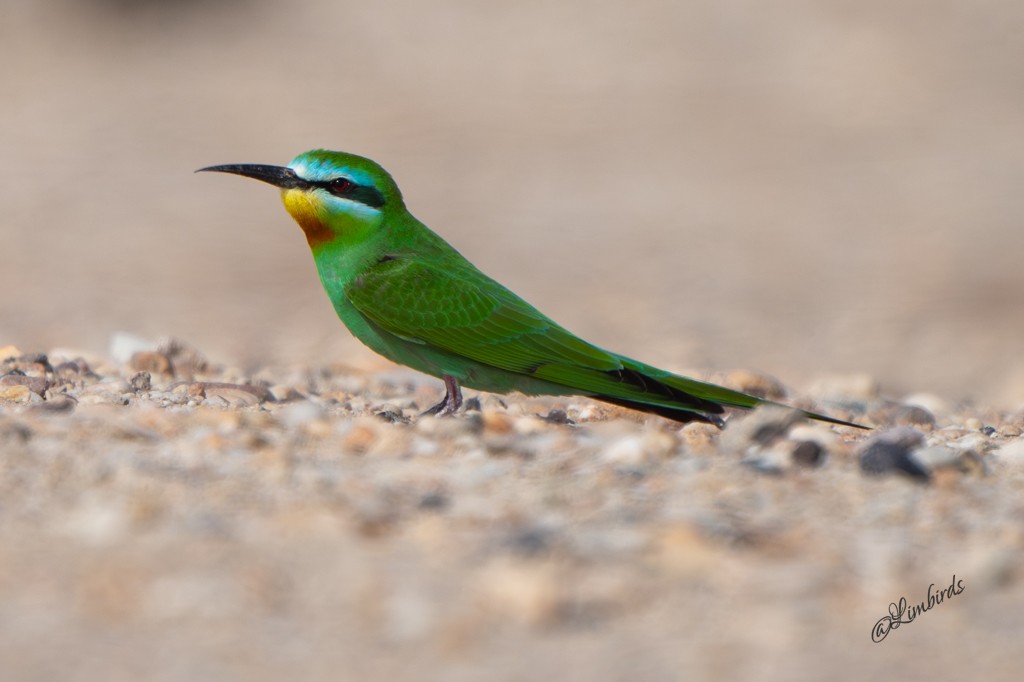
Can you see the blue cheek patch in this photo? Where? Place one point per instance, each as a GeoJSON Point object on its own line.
{"type": "Point", "coordinates": [343, 205]}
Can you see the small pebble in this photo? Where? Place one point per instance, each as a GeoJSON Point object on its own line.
{"type": "Point", "coordinates": [9, 353]}
{"type": "Point", "coordinates": [775, 460]}
{"type": "Point", "coordinates": [496, 422]}
{"type": "Point", "coordinates": [36, 364]}
{"type": "Point", "coordinates": [186, 361]}
{"type": "Point", "coordinates": [530, 542]}
{"type": "Point", "coordinates": [700, 438]}
{"type": "Point", "coordinates": [141, 381]}
{"type": "Point", "coordinates": [558, 417]}
{"type": "Point", "coordinates": [433, 501]}
{"type": "Point", "coordinates": [152, 362]}
{"type": "Point", "coordinates": [17, 394]}
{"type": "Point", "coordinates": [808, 453]}
{"type": "Point", "coordinates": [529, 425]}
{"type": "Point", "coordinates": [392, 416]}
{"type": "Point", "coordinates": [37, 385]}
{"type": "Point", "coordinates": [285, 394]}
{"type": "Point", "coordinates": [298, 414]}
{"type": "Point", "coordinates": [625, 451]}
{"type": "Point", "coordinates": [240, 395]}
{"type": "Point", "coordinates": [911, 415]}
{"type": "Point", "coordinates": [937, 457]}
{"type": "Point", "coordinates": [890, 451]}
{"type": "Point", "coordinates": [762, 427]}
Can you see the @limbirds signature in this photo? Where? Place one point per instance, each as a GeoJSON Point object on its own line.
{"type": "Point", "coordinates": [901, 614]}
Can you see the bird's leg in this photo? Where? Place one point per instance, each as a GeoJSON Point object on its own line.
{"type": "Point", "coordinates": [452, 399]}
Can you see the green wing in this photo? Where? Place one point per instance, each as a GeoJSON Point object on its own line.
{"type": "Point", "coordinates": [464, 312]}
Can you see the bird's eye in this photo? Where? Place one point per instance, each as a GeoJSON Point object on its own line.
{"type": "Point", "coordinates": [341, 185]}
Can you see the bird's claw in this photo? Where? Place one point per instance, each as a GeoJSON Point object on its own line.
{"type": "Point", "coordinates": [442, 409]}
{"type": "Point", "coordinates": [452, 399]}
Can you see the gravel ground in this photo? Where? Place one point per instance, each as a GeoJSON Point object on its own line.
{"type": "Point", "coordinates": [166, 518]}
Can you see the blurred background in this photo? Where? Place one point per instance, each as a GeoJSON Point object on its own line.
{"type": "Point", "coordinates": [800, 188]}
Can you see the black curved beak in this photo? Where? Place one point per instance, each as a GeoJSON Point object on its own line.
{"type": "Point", "coordinates": [278, 176]}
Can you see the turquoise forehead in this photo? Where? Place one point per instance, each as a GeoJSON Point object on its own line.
{"type": "Point", "coordinates": [321, 164]}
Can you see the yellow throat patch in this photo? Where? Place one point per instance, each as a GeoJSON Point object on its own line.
{"type": "Point", "coordinates": [308, 213]}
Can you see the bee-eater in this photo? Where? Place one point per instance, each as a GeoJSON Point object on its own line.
{"type": "Point", "coordinates": [410, 296]}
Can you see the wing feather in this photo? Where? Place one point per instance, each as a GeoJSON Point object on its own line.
{"type": "Point", "coordinates": [471, 316]}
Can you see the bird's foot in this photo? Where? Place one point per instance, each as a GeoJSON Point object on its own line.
{"type": "Point", "coordinates": [452, 399]}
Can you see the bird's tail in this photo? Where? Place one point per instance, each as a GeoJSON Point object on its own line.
{"type": "Point", "coordinates": [648, 389]}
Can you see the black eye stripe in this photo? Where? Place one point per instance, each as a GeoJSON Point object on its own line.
{"type": "Point", "coordinates": [364, 194]}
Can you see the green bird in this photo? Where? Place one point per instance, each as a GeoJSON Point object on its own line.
{"type": "Point", "coordinates": [410, 296]}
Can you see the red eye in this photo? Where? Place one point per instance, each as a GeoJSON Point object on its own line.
{"type": "Point", "coordinates": [341, 185]}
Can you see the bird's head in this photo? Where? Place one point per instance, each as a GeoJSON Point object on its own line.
{"type": "Point", "coordinates": [331, 195]}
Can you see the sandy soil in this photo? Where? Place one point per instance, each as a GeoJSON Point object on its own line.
{"type": "Point", "coordinates": [828, 193]}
